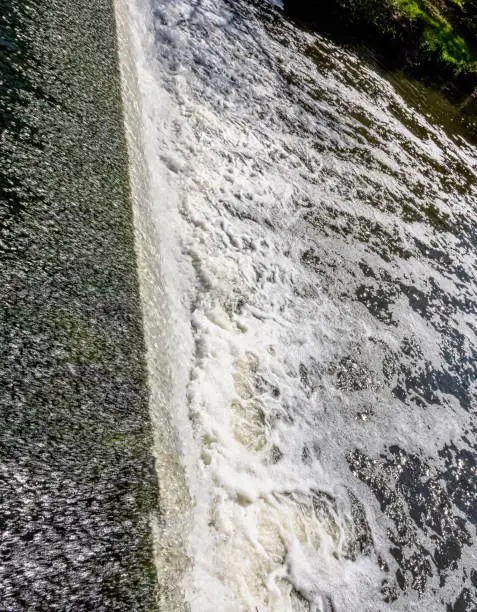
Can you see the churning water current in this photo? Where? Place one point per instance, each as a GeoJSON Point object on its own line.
{"type": "Point", "coordinates": [316, 247]}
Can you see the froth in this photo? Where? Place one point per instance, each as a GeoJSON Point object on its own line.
{"type": "Point", "coordinates": [258, 179]}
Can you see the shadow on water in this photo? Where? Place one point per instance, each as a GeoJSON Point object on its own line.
{"type": "Point", "coordinates": [16, 132]}
{"type": "Point", "coordinates": [437, 98]}
{"type": "Point", "coordinates": [21, 90]}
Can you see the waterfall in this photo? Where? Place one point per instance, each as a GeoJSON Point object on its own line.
{"type": "Point", "coordinates": [307, 263]}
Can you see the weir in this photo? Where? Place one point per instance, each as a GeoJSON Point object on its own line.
{"type": "Point", "coordinates": [304, 236]}
{"type": "Point", "coordinates": [239, 300]}
{"type": "Point", "coordinates": [149, 189]}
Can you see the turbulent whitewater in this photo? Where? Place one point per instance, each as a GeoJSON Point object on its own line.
{"type": "Point", "coordinates": [308, 259]}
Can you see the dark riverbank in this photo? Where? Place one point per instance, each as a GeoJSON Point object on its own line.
{"type": "Point", "coordinates": [78, 483]}
{"type": "Point", "coordinates": [434, 40]}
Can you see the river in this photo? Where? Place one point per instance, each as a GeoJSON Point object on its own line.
{"type": "Point", "coordinates": [306, 228]}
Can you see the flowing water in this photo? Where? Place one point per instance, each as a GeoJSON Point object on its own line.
{"type": "Point", "coordinates": [77, 481]}
{"type": "Point", "coordinates": [309, 236]}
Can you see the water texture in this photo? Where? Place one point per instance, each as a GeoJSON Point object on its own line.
{"type": "Point", "coordinates": [317, 247]}
{"type": "Point", "coordinates": [77, 481]}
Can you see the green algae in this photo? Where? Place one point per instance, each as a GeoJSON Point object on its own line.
{"type": "Point", "coordinates": [438, 35]}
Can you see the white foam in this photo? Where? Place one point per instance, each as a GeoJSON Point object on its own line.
{"type": "Point", "coordinates": [240, 134]}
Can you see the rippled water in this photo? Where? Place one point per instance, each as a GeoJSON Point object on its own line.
{"type": "Point", "coordinates": [316, 241]}
{"type": "Point", "coordinates": [77, 483]}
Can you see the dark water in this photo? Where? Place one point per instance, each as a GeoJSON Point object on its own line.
{"type": "Point", "coordinates": [77, 484]}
